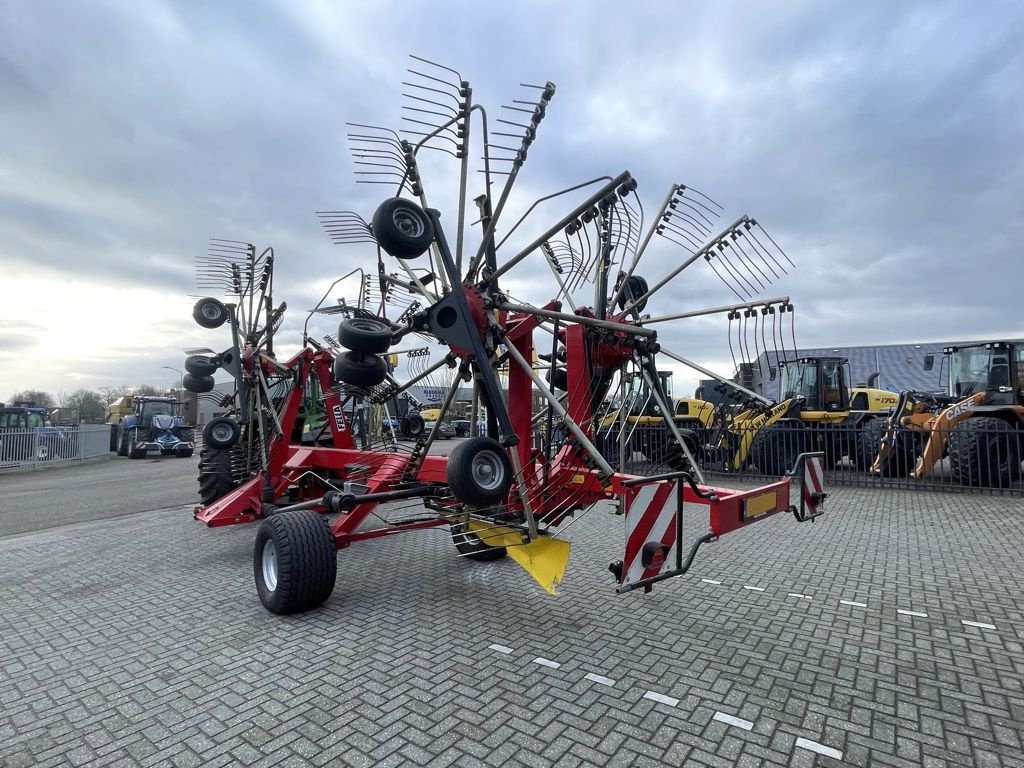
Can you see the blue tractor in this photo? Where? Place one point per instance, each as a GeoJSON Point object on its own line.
{"type": "Point", "coordinates": [26, 435]}
{"type": "Point", "coordinates": [156, 425]}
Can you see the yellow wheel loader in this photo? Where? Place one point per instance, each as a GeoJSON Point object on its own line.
{"type": "Point", "coordinates": [978, 423]}
{"type": "Point", "coordinates": [818, 412]}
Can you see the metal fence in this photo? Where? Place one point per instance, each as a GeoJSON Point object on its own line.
{"type": "Point", "coordinates": [52, 446]}
{"type": "Point", "coordinates": [977, 455]}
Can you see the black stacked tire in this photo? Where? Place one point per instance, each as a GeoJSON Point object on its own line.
{"type": "Point", "coordinates": [985, 451]}
{"type": "Point", "coordinates": [365, 334]}
{"type": "Point", "coordinates": [216, 478]}
{"type": "Point", "coordinates": [294, 562]}
{"type": "Point", "coordinates": [359, 370]}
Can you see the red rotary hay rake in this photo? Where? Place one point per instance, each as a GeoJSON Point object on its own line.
{"type": "Point", "coordinates": [319, 486]}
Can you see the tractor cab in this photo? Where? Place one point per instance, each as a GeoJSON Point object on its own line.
{"type": "Point", "coordinates": [996, 368]}
{"type": "Point", "coordinates": [639, 401]}
{"type": "Point", "coordinates": [822, 382]}
{"type": "Point", "coordinates": [147, 409]}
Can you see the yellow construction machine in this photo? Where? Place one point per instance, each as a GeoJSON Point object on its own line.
{"type": "Point", "coordinates": [978, 423]}
{"type": "Point", "coordinates": [818, 412]}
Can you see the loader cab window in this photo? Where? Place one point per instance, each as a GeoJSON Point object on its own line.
{"type": "Point", "coordinates": [971, 368]}
{"type": "Point", "coordinates": [801, 381]}
{"type": "Point", "coordinates": [832, 385]}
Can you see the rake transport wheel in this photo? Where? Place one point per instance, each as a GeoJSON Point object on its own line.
{"type": "Point", "coordinates": [411, 426]}
{"type": "Point", "coordinates": [365, 334]}
{"type": "Point", "coordinates": [472, 547]}
{"type": "Point", "coordinates": [402, 228]}
{"type": "Point", "coordinates": [479, 472]}
{"type": "Point", "coordinates": [294, 561]}
{"type": "Point", "coordinates": [216, 478]}
{"type": "Point", "coordinates": [210, 313]}
{"type": "Point", "coordinates": [221, 433]}
{"type": "Point", "coordinates": [985, 451]}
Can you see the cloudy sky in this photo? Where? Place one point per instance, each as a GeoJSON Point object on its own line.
{"type": "Point", "coordinates": [880, 144]}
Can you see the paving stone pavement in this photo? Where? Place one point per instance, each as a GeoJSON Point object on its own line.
{"type": "Point", "coordinates": [140, 641]}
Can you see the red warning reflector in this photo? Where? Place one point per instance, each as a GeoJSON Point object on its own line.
{"type": "Point", "coordinates": [814, 476]}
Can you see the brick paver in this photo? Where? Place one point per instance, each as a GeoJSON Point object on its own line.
{"type": "Point", "coordinates": [140, 641]}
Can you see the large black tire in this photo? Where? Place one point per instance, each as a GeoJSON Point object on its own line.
{"type": "Point", "coordinates": [636, 287]}
{"type": "Point", "coordinates": [985, 451]}
{"type": "Point", "coordinates": [411, 426]}
{"type": "Point", "coordinates": [479, 472]}
{"type": "Point", "coordinates": [470, 546]}
{"type": "Point", "coordinates": [122, 443]}
{"type": "Point", "coordinates": [197, 384]}
{"type": "Point", "coordinates": [134, 453]}
{"type": "Point", "coordinates": [294, 561]}
{"type": "Point", "coordinates": [775, 448]}
{"type": "Point", "coordinates": [358, 370]}
{"type": "Point", "coordinates": [402, 228]}
{"type": "Point", "coordinates": [221, 433]}
{"type": "Point", "coordinates": [202, 365]}
{"type": "Point", "coordinates": [902, 457]}
{"type": "Point", "coordinates": [365, 334]}
{"type": "Point", "coordinates": [113, 438]}
{"type": "Point", "coordinates": [210, 313]}
{"type": "Point", "coordinates": [216, 478]}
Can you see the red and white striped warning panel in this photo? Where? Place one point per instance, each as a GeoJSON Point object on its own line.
{"type": "Point", "coordinates": [650, 530]}
{"type": "Point", "coordinates": [814, 484]}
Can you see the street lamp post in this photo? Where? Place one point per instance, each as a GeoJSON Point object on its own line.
{"type": "Point", "coordinates": [181, 378]}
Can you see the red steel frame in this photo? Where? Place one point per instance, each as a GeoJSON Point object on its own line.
{"type": "Point", "coordinates": [570, 482]}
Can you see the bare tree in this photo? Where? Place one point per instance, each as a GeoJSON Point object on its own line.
{"type": "Point", "coordinates": [35, 396]}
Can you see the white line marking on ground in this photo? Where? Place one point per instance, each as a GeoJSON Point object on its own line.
{"type": "Point", "coordinates": [710, 581]}
{"type": "Point", "coordinates": [978, 624]}
{"type": "Point", "coordinates": [600, 679]}
{"type": "Point", "coordinates": [661, 698]}
{"type": "Point", "coordinates": [546, 663]}
{"type": "Point", "coordinates": [850, 602]}
{"type": "Point", "coordinates": [912, 613]}
{"type": "Point", "coordinates": [821, 749]}
{"type": "Point", "coordinates": [739, 722]}
{"type": "Point", "coordinates": [797, 594]}
{"type": "Point", "coordinates": [500, 648]}
{"type": "Point", "coordinates": [753, 589]}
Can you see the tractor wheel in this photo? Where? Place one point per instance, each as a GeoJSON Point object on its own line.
{"type": "Point", "coordinates": [216, 478]}
{"type": "Point", "coordinates": [869, 441]}
{"type": "Point", "coordinates": [133, 452]}
{"type": "Point", "coordinates": [201, 365]}
{"type": "Point", "coordinates": [402, 228]}
{"type": "Point", "coordinates": [122, 443]}
{"type": "Point", "coordinates": [358, 370]}
{"type": "Point", "coordinates": [775, 448]}
{"type": "Point", "coordinates": [365, 334]}
{"type": "Point", "coordinates": [479, 472]}
{"type": "Point", "coordinates": [210, 313]}
{"type": "Point", "coordinates": [197, 384]}
{"type": "Point", "coordinates": [294, 561]}
{"type": "Point", "coordinates": [471, 547]}
{"type": "Point", "coordinates": [411, 426]}
{"type": "Point", "coordinates": [43, 452]}
{"type": "Point", "coordinates": [636, 287]}
{"type": "Point", "coordinates": [985, 451]}
{"type": "Point", "coordinates": [221, 433]}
